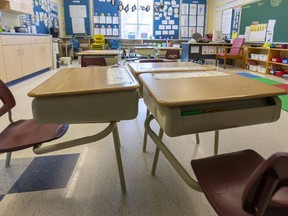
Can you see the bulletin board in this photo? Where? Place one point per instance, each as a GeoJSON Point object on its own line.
{"type": "Point", "coordinates": [166, 21]}
{"type": "Point", "coordinates": [106, 18]}
{"type": "Point", "coordinates": [45, 16]}
{"type": "Point", "coordinates": [77, 17]}
{"type": "Point", "coordinates": [193, 18]}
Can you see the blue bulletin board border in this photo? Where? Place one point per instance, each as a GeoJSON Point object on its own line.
{"type": "Point", "coordinates": [170, 14]}
{"type": "Point", "coordinates": [45, 16]}
{"type": "Point", "coordinates": [104, 8]}
{"type": "Point", "coordinates": [68, 19]}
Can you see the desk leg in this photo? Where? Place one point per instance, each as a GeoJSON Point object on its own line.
{"type": "Point", "coordinates": [118, 157]}
{"type": "Point", "coordinates": [145, 133]}
{"type": "Point", "coordinates": [156, 155]}
{"type": "Point", "coordinates": [170, 157]}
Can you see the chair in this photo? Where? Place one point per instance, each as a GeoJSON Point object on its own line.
{"type": "Point", "coordinates": [23, 133]}
{"type": "Point", "coordinates": [75, 46]}
{"type": "Point", "coordinates": [114, 44]}
{"type": "Point", "coordinates": [88, 61]}
{"type": "Point", "coordinates": [244, 183]}
{"type": "Point", "coordinates": [236, 52]}
{"type": "Point", "coordinates": [99, 42]}
{"type": "Point", "coordinates": [172, 54]}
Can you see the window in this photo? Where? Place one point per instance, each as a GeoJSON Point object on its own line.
{"type": "Point", "coordinates": [137, 24]}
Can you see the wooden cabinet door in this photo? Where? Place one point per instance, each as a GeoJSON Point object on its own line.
{"type": "Point", "coordinates": [47, 55]}
{"type": "Point", "coordinates": [38, 57]}
{"type": "Point", "coordinates": [27, 62]}
{"type": "Point", "coordinates": [12, 62]}
{"type": "Point", "coordinates": [2, 66]}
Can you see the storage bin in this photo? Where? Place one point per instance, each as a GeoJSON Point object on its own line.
{"type": "Point", "coordinates": [255, 56]}
{"type": "Point", "coordinates": [261, 69]}
{"type": "Point", "coordinates": [253, 67]}
{"type": "Point", "coordinates": [263, 57]}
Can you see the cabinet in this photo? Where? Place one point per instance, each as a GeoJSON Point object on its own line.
{"type": "Point", "coordinates": [42, 52]}
{"type": "Point", "coordinates": [17, 56]}
{"type": "Point", "coordinates": [17, 6]}
{"type": "Point", "coordinates": [259, 59]}
{"type": "Point", "coordinates": [24, 55]}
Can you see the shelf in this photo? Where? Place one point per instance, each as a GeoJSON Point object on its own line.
{"type": "Point", "coordinates": [277, 63]}
{"type": "Point", "coordinates": [250, 59]}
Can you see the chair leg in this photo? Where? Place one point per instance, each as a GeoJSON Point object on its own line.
{"type": "Point", "coordinates": [216, 61]}
{"type": "Point", "coordinates": [197, 138]}
{"type": "Point", "coordinates": [118, 157]}
{"type": "Point", "coordinates": [145, 133]}
{"type": "Point", "coordinates": [216, 142]}
{"type": "Point", "coordinates": [224, 63]}
{"type": "Point", "coordinates": [156, 155]}
{"type": "Point", "coordinates": [8, 159]}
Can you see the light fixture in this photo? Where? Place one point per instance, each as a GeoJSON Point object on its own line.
{"type": "Point", "coordinates": [134, 8]}
{"type": "Point", "coordinates": [120, 6]}
{"type": "Point", "coordinates": [112, 2]}
{"type": "Point", "coordinates": [147, 8]}
{"type": "Point", "coordinates": [126, 8]}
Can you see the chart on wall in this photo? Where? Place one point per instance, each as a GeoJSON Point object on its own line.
{"type": "Point", "coordinates": [105, 18]}
{"type": "Point", "coordinates": [192, 18]}
{"type": "Point", "coordinates": [45, 16]}
{"type": "Point", "coordinates": [77, 17]}
{"type": "Point", "coordinates": [166, 19]}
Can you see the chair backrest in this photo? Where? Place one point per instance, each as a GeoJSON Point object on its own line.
{"type": "Point", "coordinates": [269, 178]}
{"type": "Point", "coordinates": [150, 60]}
{"type": "Point", "coordinates": [75, 44]}
{"type": "Point", "coordinates": [113, 44]}
{"type": "Point", "coordinates": [7, 99]}
{"type": "Point", "coordinates": [236, 46]}
{"type": "Point", "coordinates": [99, 38]}
{"type": "Point", "coordinates": [172, 54]}
{"type": "Point", "coordinates": [87, 61]}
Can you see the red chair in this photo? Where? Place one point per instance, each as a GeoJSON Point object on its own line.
{"type": "Point", "coordinates": [88, 61]}
{"type": "Point", "coordinates": [244, 183]}
{"type": "Point", "coordinates": [236, 52]}
{"type": "Point", "coordinates": [23, 133]}
{"type": "Point", "coordinates": [172, 54]}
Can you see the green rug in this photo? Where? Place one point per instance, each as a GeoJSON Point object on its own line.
{"type": "Point", "coordinates": [284, 100]}
{"type": "Point", "coordinates": [267, 81]}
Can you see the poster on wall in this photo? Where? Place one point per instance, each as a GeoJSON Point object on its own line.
{"type": "Point", "coordinates": [192, 18]}
{"type": "Point", "coordinates": [226, 22]}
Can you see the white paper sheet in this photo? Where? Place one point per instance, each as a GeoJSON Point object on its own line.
{"type": "Point", "coordinates": [77, 11]}
{"type": "Point", "coordinates": [78, 25]}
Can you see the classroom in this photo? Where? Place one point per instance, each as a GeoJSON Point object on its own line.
{"type": "Point", "coordinates": [156, 107]}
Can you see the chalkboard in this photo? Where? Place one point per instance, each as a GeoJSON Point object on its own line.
{"type": "Point", "coordinates": [266, 10]}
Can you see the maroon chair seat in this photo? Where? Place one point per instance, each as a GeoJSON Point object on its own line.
{"type": "Point", "coordinates": [23, 133]}
{"type": "Point", "coordinates": [150, 60]}
{"type": "Point", "coordinates": [88, 61]}
{"type": "Point", "coordinates": [244, 183]}
{"type": "Point", "coordinates": [172, 54]}
{"type": "Point", "coordinates": [236, 52]}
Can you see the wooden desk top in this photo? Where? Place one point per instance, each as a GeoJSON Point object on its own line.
{"type": "Point", "coordinates": [99, 52]}
{"type": "Point", "coordinates": [201, 90]}
{"type": "Point", "coordinates": [144, 47]}
{"type": "Point", "coordinates": [163, 67]}
{"type": "Point", "coordinates": [87, 80]}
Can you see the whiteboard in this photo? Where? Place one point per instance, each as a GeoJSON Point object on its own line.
{"type": "Point", "coordinates": [77, 11]}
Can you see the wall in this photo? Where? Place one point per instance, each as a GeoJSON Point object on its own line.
{"type": "Point", "coordinates": [10, 19]}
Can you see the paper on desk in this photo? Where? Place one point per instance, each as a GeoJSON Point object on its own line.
{"type": "Point", "coordinates": [118, 76]}
{"type": "Point", "coordinates": [189, 74]}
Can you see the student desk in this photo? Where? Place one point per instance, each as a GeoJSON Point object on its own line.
{"type": "Point", "coordinates": [144, 50]}
{"type": "Point", "coordinates": [111, 56]}
{"type": "Point", "coordinates": [159, 67]}
{"type": "Point", "coordinates": [87, 95]}
{"type": "Point", "coordinates": [205, 103]}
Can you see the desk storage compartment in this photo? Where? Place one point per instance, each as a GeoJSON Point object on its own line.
{"type": "Point", "coordinates": [86, 108]}
{"type": "Point", "coordinates": [177, 121]}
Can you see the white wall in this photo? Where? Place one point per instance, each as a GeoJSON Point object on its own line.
{"type": "Point", "coordinates": [10, 19]}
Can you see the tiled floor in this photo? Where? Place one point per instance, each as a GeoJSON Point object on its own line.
{"type": "Point", "coordinates": [85, 179]}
